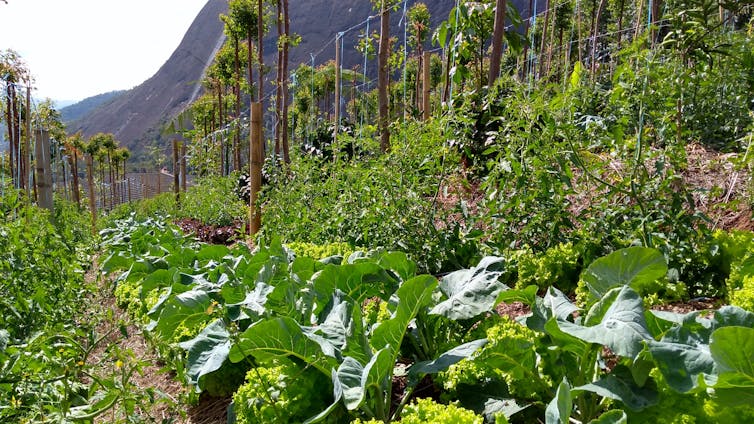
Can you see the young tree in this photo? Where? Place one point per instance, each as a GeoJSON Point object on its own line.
{"type": "Point", "coordinates": [418, 22]}
{"type": "Point", "coordinates": [383, 69]}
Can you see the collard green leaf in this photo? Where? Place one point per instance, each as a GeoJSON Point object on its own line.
{"type": "Point", "coordinates": [207, 351]}
{"type": "Point", "coordinates": [187, 309]}
{"type": "Point", "coordinates": [471, 292]}
{"type": "Point", "coordinates": [251, 306]}
{"type": "Point", "coordinates": [732, 348]}
{"type": "Point", "coordinates": [559, 409]}
{"type": "Point", "coordinates": [337, 396]}
{"type": "Point", "coordinates": [342, 326]}
{"type": "Point", "coordinates": [358, 281]}
{"type": "Point", "coordinates": [619, 385]}
{"type": "Point", "coordinates": [4, 338]}
{"type": "Point", "coordinates": [399, 263]}
{"type": "Point", "coordinates": [527, 296]}
{"type": "Point", "coordinates": [614, 416]}
{"type": "Point", "coordinates": [445, 360]}
{"type": "Point", "coordinates": [350, 374]}
{"type": "Point", "coordinates": [281, 337]}
{"type": "Point", "coordinates": [683, 366]}
{"type": "Point", "coordinates": [413, 295]}
{"type": "Point", "coordinates": [622, 327]}
{"type": "Point", "coordinates": [633, 266]}
{"type": "Point", "coordinates": [212, 252]}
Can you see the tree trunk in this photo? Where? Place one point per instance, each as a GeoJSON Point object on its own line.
{"type": "Point", "coordinates": [90, 183]}
{"type": "Point", "coordinates": [279, 82]}
{"type": "Point", "coordinates": [260, 57]}
{"type": "Point", "coordinates": [527, 25]}
{"type": "Point", "coordinates": [497, 42]}
{"type": "Point", "coordinates": [595, 36]}
{"type": "Point", "coordinates": [220, 124]}
{"type": "Point", "coordinates": [286, 49]}
{"type": "Point", "coordinates": [621, 6]}
{"type": "Point", "coordinates": [75, 169]}
{"type": "Point", "coordinates": [383, 78]}
{"type": "Point", "coordinates": [11, 132]}
{"type": "Point", "coordinates": [544, 39]}
{"type": "Point", "coordinates": [237, 92]}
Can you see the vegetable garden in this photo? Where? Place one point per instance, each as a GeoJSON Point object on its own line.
{"type": "Point", "coordinates": [529, 253]}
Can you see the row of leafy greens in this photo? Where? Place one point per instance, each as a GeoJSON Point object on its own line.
{"type": "Point", "coordinates": [274, 329]}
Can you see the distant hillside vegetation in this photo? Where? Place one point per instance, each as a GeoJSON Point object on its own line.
{"type": "Point", "coordinates": [78, 110]}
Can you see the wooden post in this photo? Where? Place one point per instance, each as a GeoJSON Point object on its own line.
{"type": "Point", "coordinates": [44, 173]}
{"type": "Point", "coordinates": [26, 151]}
{"type": "Point", "coordinates": [176, 172]}
{"type": "Point", "coordinates": [183, 166]}
{"type": "Point", "coordinates": [425, 85]}
{"type": "Point", "coordinates": [255, 167]}
{"type": "Point", "coordinates": [337, 96]}
{"type": "Point", "coordinates": [90, 183]}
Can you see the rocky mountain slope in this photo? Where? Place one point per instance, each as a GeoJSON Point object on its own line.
{"type": "Point", "coordinates": [136, 116]}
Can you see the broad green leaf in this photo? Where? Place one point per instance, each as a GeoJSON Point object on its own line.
{"type": "Point", "coordinates": [613, 416]}
{"type": "Point", "coordinates": [280, 337]}
{"type": "Point", "coordinates": [632, 266]}
{"type": "Point", "coordinates": [560, 306]}
{"type": "Point", "coordinates": [734, 389]}
{"type": "Point", "coordinates": [343, 327]}
{"type": "Point", "coordinates": [559, 409]}
{"type": "Point", "coordinates": [445, 360]}
{"type": "Point", "coordinates": [358, 281]}
{"type": "Point", "coordinates": [214, 252]}
{"type": "Point", "coordinates": [527, 296]}
{"type": "Point", "coordinates": [733, 316]}
{"type": "Point", "coordinates": [489, 398]}
{"type": "Point", "coordinates": [181, 258]}
{"type": "Point", "coordinates": [207, 351]}
{"type": "Point", "coordinates": [350, 375]}
{"type": "Point", "coordinates": [252, 305]}
{"type": "Point", "coordinates": [4, 337]}
{"type": "Point", "coordinates": [337, 396]}
{"type": "Point", "coordinates": [399, 263]}
{"type": "Point", "coordinates": [117, 261]}
{"type": "Point", "coordinates": [683, 366]}
{"type": "Point", "coordinates": [471, 292]}
{"type": "Point", "coordinates": [732, 348]}
{"type": "Point", "coordinates": [622, 327]}
{"type": "Point", "coordinates": [187, 309]}
{"type": "Point", "coordinates": [619, 385]}
{"type": "Point", "coordinates": [413, 295]}
{"type": "Point", "coordinates": [379, 370]}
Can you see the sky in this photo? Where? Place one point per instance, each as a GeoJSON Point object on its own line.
{"type": "Point", "coordinates": [80, 48]}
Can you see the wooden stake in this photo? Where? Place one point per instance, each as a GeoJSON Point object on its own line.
{"type": "Point", "coordinates": [90, 183]}
{"type": "Point", "coordinates": [337, 96]}
{"type": "Point", "coordinates": [255, 164]}
{"type": "Point", "coordinates": [425, 85]}
{"type": "Point", "coordinates": [44, 173]}
{"type": "Point", "coordinates": [183, 166]}
{"type": "Point", "coordinates": [176, 173]}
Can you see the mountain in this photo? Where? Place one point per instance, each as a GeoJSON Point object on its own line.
{"type": "Point", "coordinates": [135, 116]}
{"type": "Point", "coordinates": [76, 111]}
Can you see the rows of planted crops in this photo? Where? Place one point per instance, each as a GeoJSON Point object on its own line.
{"type": "Point", "coordinates": [366, 339]}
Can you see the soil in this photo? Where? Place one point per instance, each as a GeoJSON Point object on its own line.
{"type": "Point", "coordinates": [170, 394]}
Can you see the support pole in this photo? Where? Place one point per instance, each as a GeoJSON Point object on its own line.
{"type": "Point", "coordinates": [176, 173]}
{"type": "Point", "coordinates": [183, 166]}
{"type": "Point", "coordinates": [255, 167]}
{"type": "Point", "coordinates": [44, 173]}
{"type": "Point", "coordinates": [90, 183]}
{"type": "Point", "coordinates": [425, 85]}
{"type": "Point", "coordinates": [337, 96]}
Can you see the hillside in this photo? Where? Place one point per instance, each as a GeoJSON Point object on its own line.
{"type": "Point", "coordinates": [78, 110]}
{"type": "Point", "coordinates": [136, 115]}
